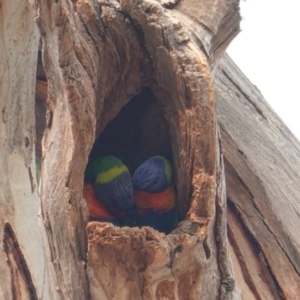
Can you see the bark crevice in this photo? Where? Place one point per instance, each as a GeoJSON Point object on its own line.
{"type": "Point", "coordinates": [265, 267]}
{"type": "Point", "coordinates": [21, 282]}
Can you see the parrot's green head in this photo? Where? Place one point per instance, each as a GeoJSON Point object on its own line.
{"type": "Point", "coordinates": [104, 169]}
{"type": "Point", "coordinates": [112, 181]}
{"type": "Point", "coordinates": [168, 170]}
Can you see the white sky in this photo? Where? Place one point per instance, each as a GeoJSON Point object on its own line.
{"type": "Point", "coordinates": [268, 52]}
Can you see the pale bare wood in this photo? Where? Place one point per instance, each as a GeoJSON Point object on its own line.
{"type": "Point", "coordinates": [23, 267]}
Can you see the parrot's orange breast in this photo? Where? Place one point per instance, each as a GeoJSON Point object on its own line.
{"type": "Point", "coordinates": [96, 208]}
{"type": "Point", "coordinates": [163, 201]}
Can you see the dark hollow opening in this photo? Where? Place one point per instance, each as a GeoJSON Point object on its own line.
{"type": "Point", "coordinates": [41, 91]}
{"type": "Point", "coordinates": [138, 132]}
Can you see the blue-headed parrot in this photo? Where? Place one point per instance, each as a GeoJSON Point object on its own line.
{"type": "Point", "coordinates": [154, 195]}
{"type": "Point", "coordinates": [113, 185]}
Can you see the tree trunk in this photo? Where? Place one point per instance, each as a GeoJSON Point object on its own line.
{"type": "Point", "coordinates": [262, 179]}
{"type": "Point", "coordinates": [23, 265]}
{"type": "Point", "coordinates": [104, 67]}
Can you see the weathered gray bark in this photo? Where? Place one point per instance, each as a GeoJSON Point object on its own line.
{"type": "Point", "coordinates": [96, 57]}
{"type": "Point", "coordinates": [262, 177]}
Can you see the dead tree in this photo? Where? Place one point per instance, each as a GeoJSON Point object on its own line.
{"type": "Point", "coordinates": [101, 68]}
{"type": "Point", "coordinates": [262, 166]}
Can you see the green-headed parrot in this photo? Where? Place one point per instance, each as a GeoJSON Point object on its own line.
{"type": "Point", "coordinates": [154, 195]}
{"type": "Point", "coordinates": [97, 210]}
{"type": "Point", "coordinates": [113, 185]}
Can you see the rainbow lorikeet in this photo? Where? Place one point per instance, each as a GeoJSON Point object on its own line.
{"type": "Point", "coordinates": [113, 185]}
{"type": "Point", "coordinates": [154, 195]}
{"type": "Point", "coordinates": [97, 210]}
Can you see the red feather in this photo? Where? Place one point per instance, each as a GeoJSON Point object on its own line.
{"type": "Point", "coordinates": [161, 202]}
{"type": "Point", "coordinates": [97, 209]}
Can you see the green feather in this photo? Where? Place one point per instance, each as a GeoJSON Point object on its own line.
{"type": "Point", "coordinates": [104, 165]}
{"type": "Point", "coordinates": [168, 170]}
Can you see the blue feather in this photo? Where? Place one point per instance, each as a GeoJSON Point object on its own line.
{"type": "Point", "coordinates": [117, 193]}
{"type": "Point", "coordinates": [151, 175]}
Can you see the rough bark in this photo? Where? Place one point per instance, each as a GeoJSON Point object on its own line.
{"type": "Point", "coordinates": [96, 58]}
{"type": "Point", "coordinates": [262, 178]}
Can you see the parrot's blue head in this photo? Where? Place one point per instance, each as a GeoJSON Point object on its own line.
{"type": "Point", "coordinates": [154, 175]}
